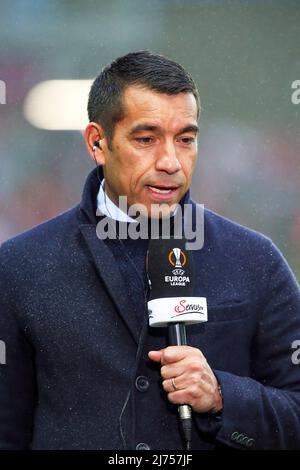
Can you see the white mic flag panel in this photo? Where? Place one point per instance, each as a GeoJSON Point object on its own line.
{"type": "Point", "coordinates": [188, 310]}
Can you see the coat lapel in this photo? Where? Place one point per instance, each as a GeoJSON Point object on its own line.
{"type": "Point", "coordinates": [114, 282]}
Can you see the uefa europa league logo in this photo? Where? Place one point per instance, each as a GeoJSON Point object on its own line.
{"type": "Point", "coordinates": [177, 252]}
{"type": "Point", "coordinates": [177, 259]}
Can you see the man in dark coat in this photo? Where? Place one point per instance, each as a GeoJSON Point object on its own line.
{"type": "Point", "coordinates": [82, 369]}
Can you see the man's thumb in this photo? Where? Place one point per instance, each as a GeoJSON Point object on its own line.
{"type": "Point", "coordinates": [155, 355]}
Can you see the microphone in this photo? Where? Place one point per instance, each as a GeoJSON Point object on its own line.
{"type": "Point", "coordinates": [172, 304]}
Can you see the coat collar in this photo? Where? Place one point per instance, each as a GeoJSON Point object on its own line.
{"type": "Point", "coordinates": [88, 204]}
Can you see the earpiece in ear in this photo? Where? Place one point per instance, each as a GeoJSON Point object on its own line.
{"type": "Point", "coordinates": [97, 145]}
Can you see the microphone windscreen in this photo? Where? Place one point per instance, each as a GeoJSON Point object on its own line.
{"type": "Point", "coordinates": [171, 273]}
{"type": "Point", "coordinates": [170, 268]}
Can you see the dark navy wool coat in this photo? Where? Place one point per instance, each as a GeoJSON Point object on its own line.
{"type": "Point", "coordinates": [77, 375]}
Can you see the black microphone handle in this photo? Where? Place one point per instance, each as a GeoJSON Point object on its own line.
{"type": "Point", "coordinates": [177, 337]}
{"type": "Point", "coordinates": [177, 334]}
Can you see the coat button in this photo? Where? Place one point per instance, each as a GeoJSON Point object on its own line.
{"type": "Point", "coordinates": [244, 440]}
{"type": "Point", "coordinates": [240, 438]}
{"type": "Point", "coordinates": [234, 436]}
{"type": "Point", "coordinates": [142, 383]}
{"type": "Point", "coordinates": [250, 442]}
{"type": "Point", "coordinates": [142, 446]}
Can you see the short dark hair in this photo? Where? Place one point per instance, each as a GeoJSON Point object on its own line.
{"type": "Point", "coordinates": [152, 71]}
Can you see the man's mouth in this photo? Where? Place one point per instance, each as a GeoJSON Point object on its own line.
{"type": "Point", "coordinates": [162, 192]}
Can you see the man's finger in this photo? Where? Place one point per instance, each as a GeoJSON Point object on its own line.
{"type": "Point", "coordinates": [177, 353]}
{"type": "Point", "coordinates": [155, 355]}
{"type": "Point", "coordinates": [173, 370]}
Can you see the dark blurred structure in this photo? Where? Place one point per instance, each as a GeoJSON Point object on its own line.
{"type": "Point", "coordinates": [244, 56]}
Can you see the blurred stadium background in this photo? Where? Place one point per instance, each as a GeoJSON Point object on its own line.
{"type": "Point", "coordinates": [244, 56]}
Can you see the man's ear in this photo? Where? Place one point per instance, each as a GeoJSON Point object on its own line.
{"type": "Point", "coordinates": [95, 142]}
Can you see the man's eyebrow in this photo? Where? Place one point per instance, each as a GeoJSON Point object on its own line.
{"type": "Point", "coordinates": [189, 128]}
{"type": "Point", "coordinates": [144, 127]}
{"type": "Point", "coordinates": [153, 128]}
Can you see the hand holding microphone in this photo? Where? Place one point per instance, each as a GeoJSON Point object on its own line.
{"type": "Point", "coordinates": [188, 379]}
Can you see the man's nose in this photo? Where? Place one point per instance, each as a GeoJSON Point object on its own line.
{"type": "Point", "coordinates": [167, 160]}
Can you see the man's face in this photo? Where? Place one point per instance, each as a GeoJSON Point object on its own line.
{"type": "Point", "coordinates": [154, 149]}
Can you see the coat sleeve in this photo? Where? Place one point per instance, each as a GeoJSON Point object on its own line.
{"type": "Point", "coordinates": [17, 376]}
{"type": "Point", "coordinates": [263, 411]}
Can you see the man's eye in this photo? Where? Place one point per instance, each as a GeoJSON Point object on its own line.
{"type": "Point", "coordinates": [188, 140]}
{"type": "Point", "coordinates": [144, 140]}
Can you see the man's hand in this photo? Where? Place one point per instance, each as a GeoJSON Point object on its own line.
{"type": "Point", "coordinates": [195, 382]}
